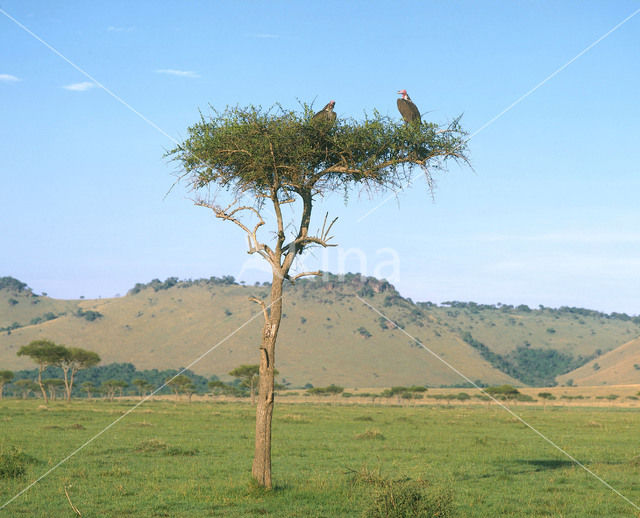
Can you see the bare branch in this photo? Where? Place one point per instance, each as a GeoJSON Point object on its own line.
{"type": "Point", "coordinates": [225, 214]}
{"type": "Point", "coordinates": [321, 239]}
{"type": "Point", "coordinates": [75, 509]}
{"type": "Point", "coordinates": [264, 307]}
{"type": "Point", "coordinates": [304, 274]}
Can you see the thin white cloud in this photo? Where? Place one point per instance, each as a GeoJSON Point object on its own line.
{"type": "Point", "coordinates": [8, 78]}
{"type": "Point", "coordinates": [265, 36]}
{"type": "Point", "coordinates": [79, 87]}
{"type": "Point", "coordinates": [112, 28]}
{"type": "Point", "coordinates": [179, 73]}
{"type": "Point", "coordinates": [597, 238]}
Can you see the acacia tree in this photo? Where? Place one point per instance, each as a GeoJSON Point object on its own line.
{"type": "Point", "coordinates": [75, 360]}
{"type": "Point", "coordinates": [44, 353]}
{"type": "Point", "coordinates": [182, 384]}
{"type": "Point", "coordinates": [5, 377]}
{"type": "Point", "coordinates": [26, 387]}
{"type": "Point", "coordinates": [249, 374]}
{"type": "Point", "coordinates": [110, 387]}
{"type": "Point", "coordinates": [143, 386]}
{"type": "Point", "coordinates": [53, 385]}
{"type": "Point", "coordinates": [246, 163]}
{"type": "Point", "coordinates": [89, 388]}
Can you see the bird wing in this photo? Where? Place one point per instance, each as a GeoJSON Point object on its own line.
{"type": "Point", "coordinates": [322, 114]}
{"type": "Point", "coordinates": [408, 110]}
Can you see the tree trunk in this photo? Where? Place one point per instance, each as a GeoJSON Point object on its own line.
{"type": "Point", "coordinates": [264, 411]}
{"type": "Point", "coordinates": [67, 388]}
{"type": "Point", "coordinates": [73, 373]}
{"type": "Point", "coordinates": [253, 390]}
{"type": "Point", "coordinates": [44, 392]}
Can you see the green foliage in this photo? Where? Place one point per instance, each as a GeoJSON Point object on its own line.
{"type": "Point", "coordinates": [326, 391]}
{"type": "Point", "coordinates": [246, 372]}
{"type": "Point", "coordinates": [408, 499]}
{"type": "Point", "coordinates": [219, 387]}
{"type": "Point", "coordinates": [89, 315]}
{"type": "Point", "coordinates": [11, 284]}
{"type": "Point", "coordinates": [236, 149]}
{"type": "Point", "coordinates": [44, 318]}
{"type": "Point", "coordinates": [182, 384]}
{"type": "Point", "coordinates": [363, 332]}
{"type": "Point", "coordinates": [11, 327]}
{"type": "Point", "coordinates": [13, 463]}
{"type": "Point", "coordinates": [81, 358]}
{"type": "Point", "coordinates": [158, 285]}
{"type": "Point", "coordinates": [406, 392]}
{"type": "Point", "coordinates": [44, 352]}
{"type": "Point", "coordinates": [532, 366]}
{"type": "Point", "coordinates": [127, 372]}
{"type": "Point", "coordinates": [366, 291]}
{"type": "Point", "coordinates": [503, 392]}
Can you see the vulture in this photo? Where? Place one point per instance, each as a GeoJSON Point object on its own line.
{"type": "Point", "coordinates": [407, 108]}
{"type": "Point", "coordinates": [326, 114]}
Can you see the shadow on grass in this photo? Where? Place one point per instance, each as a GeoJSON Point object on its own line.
{"type": "Point", "coordinates": [254, 489]}
{"type": "Point", "coordinates": [546, 464]}
{"type": "Point", "coordinates": [521, 467]}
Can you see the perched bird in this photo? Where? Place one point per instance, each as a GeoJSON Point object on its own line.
{"type": "Point", "coordinates": [326, 114]}
{"type": "Point", "coordinates": [407, 108]}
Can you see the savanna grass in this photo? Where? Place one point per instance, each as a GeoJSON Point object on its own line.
{"type": "Point", "coordinates": [179, 459]}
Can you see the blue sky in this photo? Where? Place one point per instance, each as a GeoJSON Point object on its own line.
{"type": "Point", "coordinates": [549, 215]}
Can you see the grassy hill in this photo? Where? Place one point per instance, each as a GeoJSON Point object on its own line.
{"type": "Point", "coordinates": [327, 335]}
{"type": "Point", "coordinates": [620, 366]}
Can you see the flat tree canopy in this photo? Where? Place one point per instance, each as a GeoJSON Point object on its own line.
{"type": "Point", "coordinates": [254, 151]}
{"type": "Point", "coordinates": [245, 163]}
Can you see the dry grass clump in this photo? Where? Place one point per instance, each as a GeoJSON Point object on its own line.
{"type": "Point", "coordinates": [294, 418]}
{"type": "Point", "coordinates": [372, 434]}
{"type": "Point", "coordinates": [151, 445]}
{"type": "Point", "coordinates": [157, 445]}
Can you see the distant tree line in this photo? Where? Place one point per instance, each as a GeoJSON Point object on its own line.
{"type": "Point", "coordinates": [474, 307]}
{"type": "Point", "coordinates": [11, 284]}
{"type": "Point", "coordinates": [99, 375]}
{"type": "Point", "coordinates": [123, 379]}
{"type": "Point", "coordinates": [170, 282]}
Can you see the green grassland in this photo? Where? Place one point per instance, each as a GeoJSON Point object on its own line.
{"type": "Point", "coordinates": [169, 459]}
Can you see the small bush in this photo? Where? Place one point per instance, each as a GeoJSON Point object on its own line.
{"type": "Point", "coordinates": [408, 499]}
{"type": "Point", "coordinates": [12, 463]}
{"type": "Point", "coordinates": [363, 332]}
{"type": "Point", "coordinates": [89, 315]}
